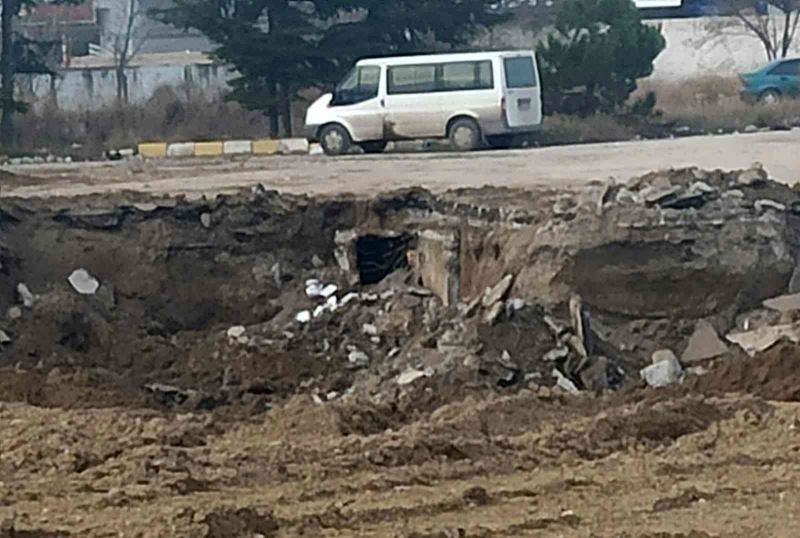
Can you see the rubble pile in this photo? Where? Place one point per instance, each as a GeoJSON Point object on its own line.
{"type": "Point", "coordinates": [252, 298]}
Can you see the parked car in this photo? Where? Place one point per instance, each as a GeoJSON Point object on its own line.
{"type": "Point", "coordinates": [469, 98]}
{"type": "Point", "coordinates": [777, 79]}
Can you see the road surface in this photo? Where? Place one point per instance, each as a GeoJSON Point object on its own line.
{"type": "Point", "coordinates": [566, 166]}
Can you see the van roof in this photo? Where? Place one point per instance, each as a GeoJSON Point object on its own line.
{"type": "Point", "coordinates": [436, 58]}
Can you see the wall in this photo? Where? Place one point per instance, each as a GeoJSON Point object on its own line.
{"type": "Point", "coordinates": [695, 47]}
{"type": "Point", "coordinates": [91, 88]}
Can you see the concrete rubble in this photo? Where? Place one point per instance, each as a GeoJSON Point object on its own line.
{"type": "Point", "coordinates": [411, 291]}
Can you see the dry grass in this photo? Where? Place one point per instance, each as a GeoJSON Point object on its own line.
{"type": "Point", "coordinates": [713, 104]}
{"type": "Point", "coordinates": [165, 117]}
{"type": "Point", "coordinates": [560, 129]}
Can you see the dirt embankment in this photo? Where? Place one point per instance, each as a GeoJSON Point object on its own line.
{"type": "Point", "coordinates": [265, 365]}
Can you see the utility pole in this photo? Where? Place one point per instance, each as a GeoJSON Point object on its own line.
{"type": "Point", "coordinates": [7, 75]}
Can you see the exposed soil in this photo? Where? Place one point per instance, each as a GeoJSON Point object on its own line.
{"type": "Point", "coordinates": [210, 387]}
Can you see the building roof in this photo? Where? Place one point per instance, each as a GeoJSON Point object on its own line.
{"type": "Point", "coordinates": [61, 14]}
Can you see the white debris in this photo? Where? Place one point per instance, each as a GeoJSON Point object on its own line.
{"type": "Point", "coordinates": [83, 282]}
{"type": "Point", "coordinates": [348, 298]}
{"type": "Point", "coordinates": [663, 373]}
{"type": "Point", "coordinates": [662, 355]}
{"type": "Point", "coordinates": [358, 357]}
{"type": "Point", "coordinates": [329, 290]}
{"type": "Point", "coordinates": [409, 376]}
{"type": "Point", "coordinates": [236, 331]}
{"type": "Point", "coordinates": [369, 329]}
{"type": "Point", "coordinates": [14, 312]}
{"type": "Point", "coordinates": [205, 220]}
{"type": "Point", "coordinates": [313, 288]}
{"type": "Point", "coordinates": [4, 338]}
{"type": "Point", "coordinates": [765, 337]}
{"type": "Point", "coordinates": [564, 383]}
{"type": "Point", "coordinates": [28, 298]}
{"type": "Point", "coordinates": [303, 317]}
{"type": "Point", "coordinates": [332, 395]}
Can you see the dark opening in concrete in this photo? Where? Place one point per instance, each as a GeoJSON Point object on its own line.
{"type": "Point", "coordinates": [379, 255]}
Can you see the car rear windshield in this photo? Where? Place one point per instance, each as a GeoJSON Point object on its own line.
{"type": "Point", "coordinates": [520, 72]}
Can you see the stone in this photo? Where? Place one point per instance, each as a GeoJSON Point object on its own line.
{"type": "Point", "coordinates": [595, 377]}
{"type": "Point", "coordinates": [4, 338]}
{"type": "Point", "coordinates": [659, 196]}
{"type": "Point", "coordinates": [763, 205]}
{"type": "Point", "coordinates": [409, 376]}
{"type": "Point", "coordinates": [313, 288]}
{"type": "Point", "coordinates": [704, 344]}
{"type": "Point", "coordinates": [497, 292]}
{"type": "Point", "coordinates": [293, 146]}
{"type": "Point", "coordinates": [358, 358]}
{"type": "Point", "coordinates": [662, 373]}
{"type": "Point", "coordinates": [662, 355]}
{"type": "Point", "coordinates": [83, 282]}
{"type": "Point", "coordinates": [315, 149]}
{"type": "Point", "coordinates": [702, 186]}
{"type": "Point", "coordinates": [14, 312]}
{"type": "Point", "coordinates": [317, 262]}
{"type": "Point", "coordinates": [794, 282]}
{"type": "Point", "coordinates": [303, 316]}
{"type": "Point", "coordinates": [627, 196]}
{"type": "Point", "coordinates": [328, 291]}
{"type": "Point", "coordinates": [564, 383]}
{"type": "Point", "coordinates": [750, 129]}
{"type": "Point", "coordinates": [28, 298]}
{"type": "Point", "coordinates": [493, 314]}
{"type": "Point", "coordinates": [752, 176]}
{"type": "Point", "coordinates": [145, 207]}
{"type": "Point", "coordinates": [237, 331]}
{"type": "Point", "coordinates": [557, 354]}
{"type": "Point", "coordinates": [205, 220]}
{"type": "Point", "coordinates": [784, 303]}
{"type": "Point", "coordinates": [369, 329]}
{"type": "Point", "coordinates": [763, 338]}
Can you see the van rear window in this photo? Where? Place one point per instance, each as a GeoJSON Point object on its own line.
{"type": "Point", "coordinates": [520, 72]}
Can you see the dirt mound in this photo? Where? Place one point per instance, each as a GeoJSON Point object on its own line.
{"type": "Point", "coordinates": [772, 375]}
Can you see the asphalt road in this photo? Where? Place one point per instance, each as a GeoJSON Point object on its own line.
{"type": "Point", "coordinates": [567, 166]}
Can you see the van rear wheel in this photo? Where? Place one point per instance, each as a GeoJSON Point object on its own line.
{"type": "Point", "coordinates": [464, 135]}
{"type": "Point", "coordinates": [335, 140]}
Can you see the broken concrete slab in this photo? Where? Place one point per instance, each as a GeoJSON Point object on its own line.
{"type": "Point", "coordinates": [784, 303]}
{"type": "Point", "coordinates": [83, 282]}
{"type": "Point", "coordinates": [663, 373]}
{"type": "Point", "coordinates": [409, 376]}
{"type": "Point", "coordinates": [25, 294]}
{"type": "Point", "coordinates": [763, 205]}
{"type": "Point", "coordinates": [497, 292]}
{"type": "Point", "coordinates": [564, 382]}
{"type": "Point", "coordinates": [704, 344]}
{"type": "Point", "coordinates": [763, 338]}
{"type": "Point", "coordinates": [752, 176]}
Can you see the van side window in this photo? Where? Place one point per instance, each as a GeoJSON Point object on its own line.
{"type": "Point", "coordinates": [359, 85]}
{"type": "Point", "coordinates": [467, 76]}
{"type": "Point", "coordinates": [412, 79]}
{"type": "Point", "coordinates": [520, 72]}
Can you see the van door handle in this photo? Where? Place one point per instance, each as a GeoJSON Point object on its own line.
{"type": "Point", "coordinates": [383, 103]}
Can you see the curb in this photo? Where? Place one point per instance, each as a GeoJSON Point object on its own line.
{"type": "Point", "coordinates": [220, 148]}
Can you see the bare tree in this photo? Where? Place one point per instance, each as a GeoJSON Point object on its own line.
{"type": "Point", "coordinates": [125, 36]}
{"type": "Point", "coordinates": [773, 22]}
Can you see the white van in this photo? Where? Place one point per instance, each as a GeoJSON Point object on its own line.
{"type": "Point", "coordinates": [470, 98]}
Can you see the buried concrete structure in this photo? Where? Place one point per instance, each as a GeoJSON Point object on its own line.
{"type": "Point", "coordinates": [646, 274]}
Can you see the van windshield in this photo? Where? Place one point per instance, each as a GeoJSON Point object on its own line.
{"type": "Point", "coordinates": [520, 72]}
{"type": "Point", "coordinates": [360, 84]}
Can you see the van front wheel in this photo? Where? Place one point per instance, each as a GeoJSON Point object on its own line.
{"type": "Point", "coordinates": [465, 135]}
{"type": "Point", "coordinates": [335, 140]}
